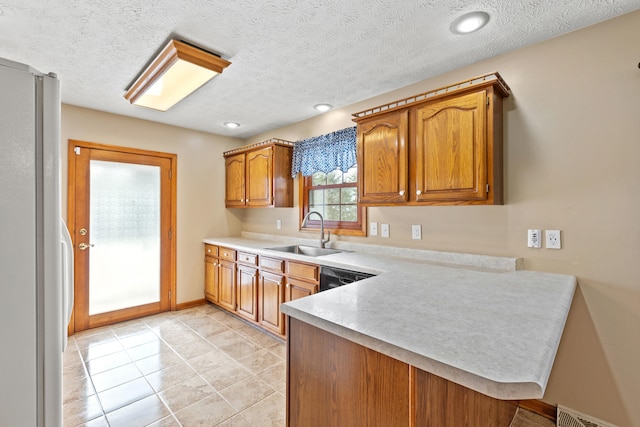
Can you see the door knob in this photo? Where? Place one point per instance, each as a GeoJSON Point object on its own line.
{"type": "Point", "coordinates": [84, 246]}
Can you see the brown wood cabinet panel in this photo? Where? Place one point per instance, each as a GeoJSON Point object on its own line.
{"type": "Point", "coordinates": [211, 279]}
{"type": "Point", "coordinates": [334, 382]}
{"type": "Point", "coordinates": [227, 285]}
{"type": "Point", "coordinates": [271, 295]}
{"type": "Point", "coordinates": [303, 271]}
{"type": "Point", "coordinates": [272, 264]}
{"type": "Point", "coordinates": [226, 254]}
{"type": "Point", "coordinates": [247, 258]}
{"type": "Point", "coordinates": [451, 149]}
{"type": "Point", "coordinates": [235, 180]}
{"type": "Point", "coordinates": [383, 159]}
{"type": "Point", "coordinates": [210, 250]}
{"type": "Point", "coordinates": [247, 292]}
{"type": "Point", "coordinates": [259, 173]}
{"type": "Point", "coordinates": [298, 289]}
{"type": "Point", "coordinates": [439, 402]}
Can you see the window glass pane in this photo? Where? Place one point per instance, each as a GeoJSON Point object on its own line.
{"type": "Point", "coordinates": [333, 196]}
{"type": "Point", "coordinates": [335, 177]}
{"type": "Point", "coordinates": [316, 197]}
{"type": "Point", "coordinates": [332, 213]}
{"type": "Point", "coordinates": [319, 178]}
{"type": "Point", "coordinates": [351, 175]}
{"type": "Point", "coordinates": [349, 213]}
{"type": "Point", "coordinates": [349, 195]}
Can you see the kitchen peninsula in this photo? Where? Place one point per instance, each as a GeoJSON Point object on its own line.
{"type": "Point", "coordinates": [420, 343]}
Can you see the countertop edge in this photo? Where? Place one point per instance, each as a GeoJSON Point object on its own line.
{"type": "Point", "coordinates": [498, 390]}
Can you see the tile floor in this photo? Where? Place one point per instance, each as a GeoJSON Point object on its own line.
{"type": "Point", "coordinates": [195, 367]}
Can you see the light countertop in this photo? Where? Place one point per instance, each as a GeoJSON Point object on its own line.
{"type": "Point", "coordinates": [493, 331]}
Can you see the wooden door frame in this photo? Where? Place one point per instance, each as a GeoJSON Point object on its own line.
{"type": "Point", "coordinates": [71, 203]}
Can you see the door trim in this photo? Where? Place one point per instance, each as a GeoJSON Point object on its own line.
{"type": "Point", "coordinates": [71, 208]}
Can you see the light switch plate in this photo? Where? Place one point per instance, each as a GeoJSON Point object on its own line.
{"type": "Point", "coordinates": [385, 230]}
{"type": "Point", "coordinates": [534, 238]}
{"type": "Point", "coordinates": [373, 229]}
{"type": "Point", "coordinates": [279, 224]}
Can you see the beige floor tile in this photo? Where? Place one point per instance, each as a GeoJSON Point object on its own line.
{"type": "Point", "coordinates": [74, 373]}
{"type": "Point", "coordinates": [110, 361]}
{"type": "Point", "coordinates": [208, 412]}
{"type": "Point", "coordinates": [240, 349]}
{"type": "Point", "coordinates": [147, 349]}
{"type": "Point", "coordinates": [237, 421]}
{"type": "Point", "coordinates": [169, 421]}
{"type": "Point", "coordinates": [191, 350]}
{"type": "Point", "coordinates": [279, 349]}
{"type": "Point", "coordinates": [269, 412]}
{"type": "Point", "coordinates": [77, 390]}
{"type": "Point", "coordinates": [115, 377]}
{"type": "Point", "coordinates": [81, 411]}
{"type": "Point", "coordinates": [246, 393]}
{"type": "Point", "coordinates": [100, 349]}
{"type": "Point", "coordinates": [134, 340]}
{"type": "Point", "coordinates": [165, 359]}
{"type": "Point", "coordinates": [275, 376]}
{"type": "Point", "coordinates": [98, 422]}
{"type": "Point", "coordinates": [186, 393]}
{"type": "Point", "coordinates": [259, 361]}
{"type": "Point", "coordinates": [228, 336]}
{"type": "Point", "coordinates": [209, 361]}
{"type": "Point", "coordinates": [226, 375]}
{"type": "Point", "coordinates": [170, 377]}
{"type": "Point", "coordinates": [124, 394]}
{"type": "Point", "coordinates": [139, 414]}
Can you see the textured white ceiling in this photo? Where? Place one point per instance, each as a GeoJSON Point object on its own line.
{"type": "Point", "coordinates": [286, 55]}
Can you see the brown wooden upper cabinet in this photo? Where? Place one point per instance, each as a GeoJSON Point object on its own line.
{"type": "Point", "coordinates": [441, 147]}
{"type": "Point", "coordinates": [259, 175]}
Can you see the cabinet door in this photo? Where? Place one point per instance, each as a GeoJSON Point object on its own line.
{"type": "Point", "coordinates": [234, 180]}
{"type": "Point", "coordinates": [298, 289]}
{"type": "Point", "coordinates": [451, 149]}
{"type": "Point", "coordinates": [271, 296]}
{"type": "Point", "coordinates": [211, 279]}
{"type": "Point", "coordinates": [259, 177]}
{"type": "Point", "coordinates": [247, 292]}
{"type": "Point", "coordinates": [383, 159]}
{"type": "Point", "coordinates": [227, 285]}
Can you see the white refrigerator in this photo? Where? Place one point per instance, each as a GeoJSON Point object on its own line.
{"type": "Point", "coordinates": [36, 257]}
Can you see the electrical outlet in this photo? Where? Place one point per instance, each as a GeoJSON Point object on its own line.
{"type": "Point", "coordinates": [534, 239]}
{"type": "Point", "coordinates": [373, 229]}
{"type": "Point", "coordinates": [385, 230]}
{"type": "Point", "coordinates": [553, 239]}
{"type": "Point", "coordinates": [278, 224]}
{"type": "Point", "coordinates": [416, 232]}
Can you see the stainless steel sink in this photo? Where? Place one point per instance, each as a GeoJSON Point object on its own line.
{"type": "Point", "coordinates": [306, 250]}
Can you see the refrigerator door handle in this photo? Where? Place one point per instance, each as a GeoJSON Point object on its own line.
{"type": "Point", "coordinates": [67, 280]}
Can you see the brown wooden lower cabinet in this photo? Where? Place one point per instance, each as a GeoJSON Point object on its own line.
{"type": "Point", "coordinates": [332, 381]}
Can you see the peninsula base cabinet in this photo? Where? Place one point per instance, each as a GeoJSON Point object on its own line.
{"type": "Point", "coordinates": [359, 387]}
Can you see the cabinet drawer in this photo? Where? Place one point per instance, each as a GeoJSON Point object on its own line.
{"type": "Point", "coordinates": [303, 271]}
{"type": "Point", "coordinates": [272, 264]}
{"type": "Point", "coordinates": [247, 258]}
{"type": "Point", "coordinates": [210, 250]}
{"type": "Point", "coordinates": [227, 254]}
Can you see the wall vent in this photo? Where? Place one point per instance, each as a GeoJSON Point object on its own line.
{"type": "Point", "coordinates": [570, 418]}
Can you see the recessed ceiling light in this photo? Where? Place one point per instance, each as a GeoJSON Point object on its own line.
{"type": "Point", "coordinates": [232, 125]}
{"type": "Point", "coordinates": [469, 22]}
{"type": "Point", "coordinates": [323, 107]}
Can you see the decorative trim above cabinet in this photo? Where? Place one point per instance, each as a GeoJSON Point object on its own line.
{"type": "Point", "coordinates": [442, 147]}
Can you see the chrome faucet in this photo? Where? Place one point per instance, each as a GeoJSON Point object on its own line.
{"type": "Point", "coordinates": [322, 239]}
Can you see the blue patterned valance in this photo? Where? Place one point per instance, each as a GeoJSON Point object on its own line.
{"type": "Point", "coordinates": [325, 153]}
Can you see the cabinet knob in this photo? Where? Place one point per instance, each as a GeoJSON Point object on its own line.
{"type": "Point", "coordinates": [226, 254]}
{"type": "Point", "coordinates": [288, 285]}
{"type": "Point", "coordinates": [247, 200]}
{"type": "Point", "coordinates": [418, 192]}
{"type": "Point", "coordinates": [401, 192]}
{"type": "Point", "coordinates": [209, 250]}
{"type": "Point", "coordinates": [242, 200]}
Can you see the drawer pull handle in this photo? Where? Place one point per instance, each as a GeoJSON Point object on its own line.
{"type": "Point", "coordinates": [418, 192]}
{"type": "Point", "coordinates": [401, 192]}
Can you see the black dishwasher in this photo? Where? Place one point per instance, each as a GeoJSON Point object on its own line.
{"type": "Point", "coordinates": [332, 277]}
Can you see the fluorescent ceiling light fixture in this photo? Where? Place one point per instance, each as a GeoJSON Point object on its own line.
{"type": "Point", "coordinates": [177, 71]}
{"type": "Point", "coordinates": [469, 22]}
{"type": "Point", "coordinates": [232, 125]}
{"type": "Point", "coordinates": [323, 107]}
